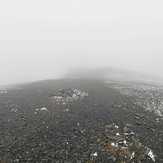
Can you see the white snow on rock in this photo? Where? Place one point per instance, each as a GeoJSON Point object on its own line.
{"type": "Point", "coordinates": [151, 155]}
{"type": "Point", "coordinates": [14, 110]}
{"type": "Point", "coordinates": [117, 134]}
{"type": "Point", "coordinates": [41, 109]}
{"type": "Point", "coordinates": [64, 96]}
{"type": "Point", "coordinates": [114, 144]}
{"type": "Point", "coordinates": [37, 109]}
{"type": "Point", "coordinates": [159, 113]}
{"type": "Point", "coordinates": [58, 98]}
{"type": "Point", "coordinates": [95, 154]}
{"type": "Point", "coordinates": [116, 126]}
{"type": "Point", "coordinates": [132, 155]}
{"type": "Point", "coordinates": [125, 142]}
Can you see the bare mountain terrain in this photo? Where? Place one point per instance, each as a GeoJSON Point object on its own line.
{"type": "Point", "coordinates": [82, 120]}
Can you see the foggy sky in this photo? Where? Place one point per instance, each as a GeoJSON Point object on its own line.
{"type": "Point", "coordinates": [42, 39]}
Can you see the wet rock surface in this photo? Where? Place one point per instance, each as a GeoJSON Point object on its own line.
{"type": "Point", "coordinates": [98, 124]}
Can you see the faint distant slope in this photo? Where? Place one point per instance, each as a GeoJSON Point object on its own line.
{"type": "Point", "coordinates": [113, 74]}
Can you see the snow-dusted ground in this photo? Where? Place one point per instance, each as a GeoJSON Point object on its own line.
{"type": "Point", "coordinates": [149, 97]}
{"type": "Point", "coordinates": [98, 124]}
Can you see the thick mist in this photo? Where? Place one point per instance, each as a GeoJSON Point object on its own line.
{"type": "Point", "coordinates": [45, 39]}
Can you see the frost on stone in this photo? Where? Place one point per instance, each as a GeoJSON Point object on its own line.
{"type": "Point", "coordinates": [64, 96]}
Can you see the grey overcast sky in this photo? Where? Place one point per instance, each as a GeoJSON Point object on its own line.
{"type": "Point", "coordinates": [41, 39]}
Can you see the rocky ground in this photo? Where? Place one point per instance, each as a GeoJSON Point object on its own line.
{"type": "Point", "coordinates": [80, 122]}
